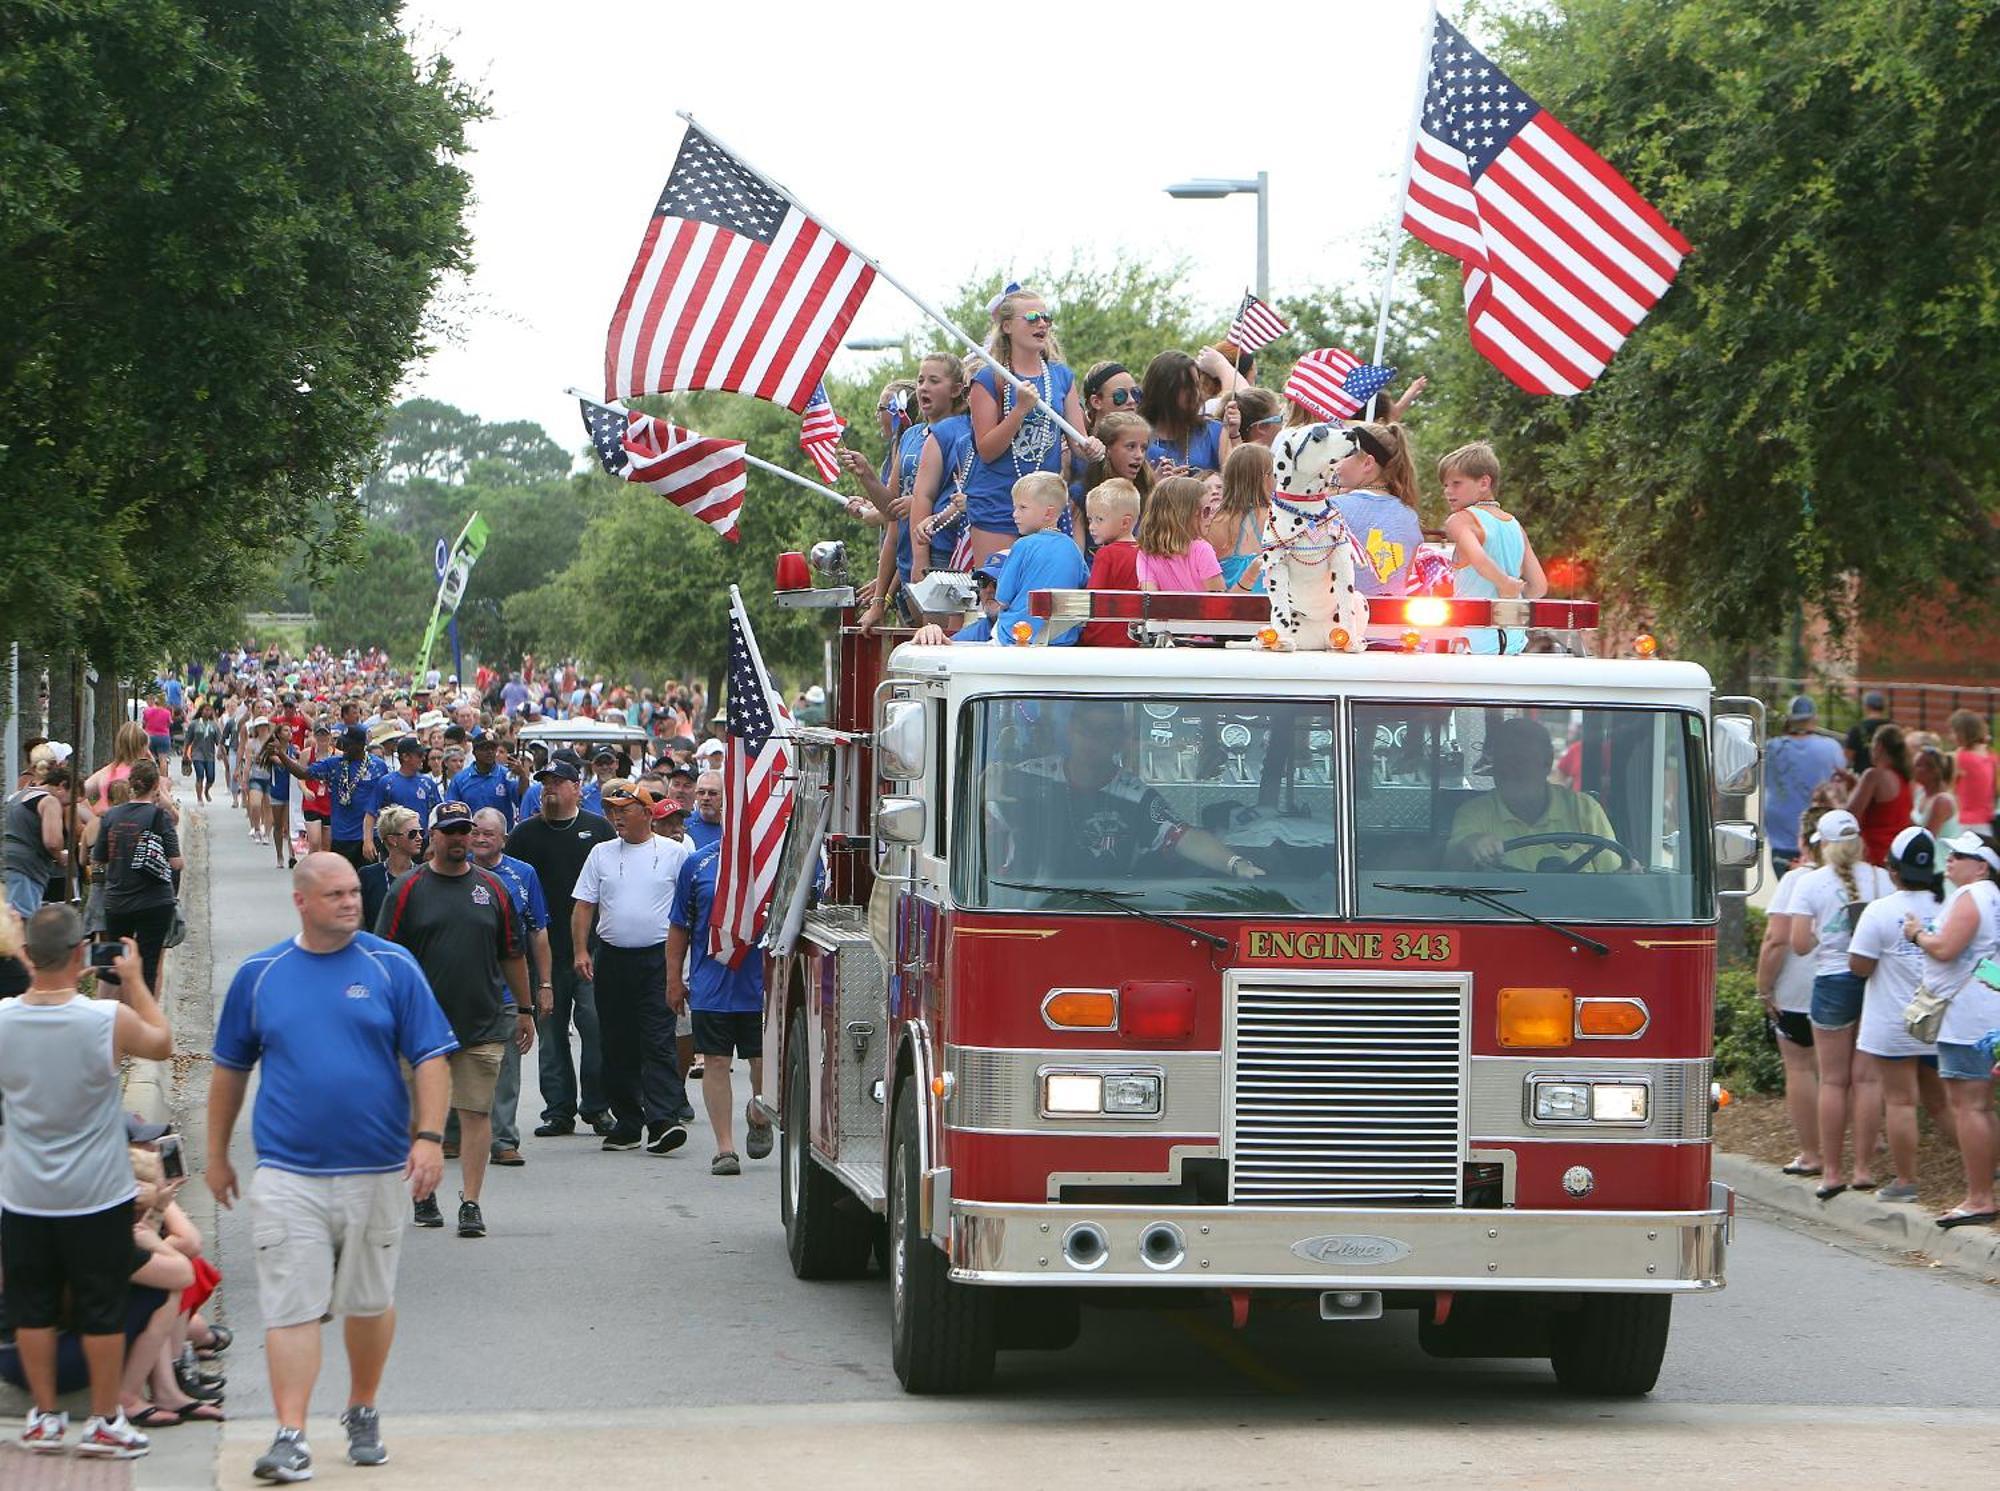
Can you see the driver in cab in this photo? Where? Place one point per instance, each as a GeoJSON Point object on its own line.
{"type": "Point", "coordinates": [1525, 803]}
{"type": "Point", "coordinates": [1082, 817]}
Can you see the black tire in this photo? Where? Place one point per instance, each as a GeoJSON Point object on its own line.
{"type": "Point", "coordinates": [941, 1334]}
{"type": "Point", "coordinates": [828, 1234]}
{"type": "Point", "coordinates": [1612, 1345]}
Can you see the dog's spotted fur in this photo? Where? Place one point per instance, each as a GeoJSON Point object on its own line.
{"type": "Point", "coordinates": [1310, 565]}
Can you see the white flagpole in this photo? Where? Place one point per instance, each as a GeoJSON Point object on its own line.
{"type": "Point", "coordinates": [1403, 191]}
{"type": "Point", "coordinates": [761, 465]}
{"type": "Point", "coordinates": [875, 264]}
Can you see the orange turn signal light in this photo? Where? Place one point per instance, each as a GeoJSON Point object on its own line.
{"type": "Point", "coordinates": [1267, 637]}
{"type": "Point", "coordinates": [1646, 645]}
{"type": "Point", "coordinates": [1023, 632]}
{"type": "Point", "coordinates": [1611, 1017]}
{"type": "Point", "coordinates": [1537, 1017]}
{"type": "Point", "coordinates": [1081, 1009]}
{"type": "Point", "coordinates": [1340, 638]}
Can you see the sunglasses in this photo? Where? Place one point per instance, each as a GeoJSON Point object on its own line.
{"type": "Point", "coordinates": [1038, 318]}
{"type": "Point", "coordinates": [1120, 397]}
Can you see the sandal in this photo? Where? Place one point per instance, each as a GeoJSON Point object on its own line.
{"type": "Point", "coordinates": [725, 1163]}
{"type": "Point", "coordinates": [152, 1416]}
{"type": "Point", "coordinates": [203, 1413]}
{"type": "Point", "coordinates": [1967, 1218]}
{"type": "Point", "coordinates": [1827, 1193]}
{"type": "Point", "coordinates": [1795, 1168]}
{"type": "Point", "coordinates": [219, 1339]}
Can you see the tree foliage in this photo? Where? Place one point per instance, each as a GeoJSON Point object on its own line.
{"type": "Point", "coordinates": [1815, 398]}
{"type": "Point", "coordinates": [220, 224]}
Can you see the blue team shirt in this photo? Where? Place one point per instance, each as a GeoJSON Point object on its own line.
{"type": "Point", "coordinates": [713, 986]}
{"type": "Point", "coordinates": [493, 789]}
{"type": "Point", "coordinates": [1038, 446]}
{"type": "Point", "coordinates": [350, 789]}
{"type": "Point", "coordinates": [419, 794]}
{"type": "Point", "coordinates": [1199, 450]}
{"type": "Point", "coordinates": [1041, 561]}
{"type": "Point", "coordinates": [953, 437]}
{"type": "Point", "coordinates": [901, 480]}
{"type": "Point", "coordinates": [524, 889]}
{"type": "Point", "coordinates": [701, 833]}
{"type": "Point", "coordinates": [328, 1029]}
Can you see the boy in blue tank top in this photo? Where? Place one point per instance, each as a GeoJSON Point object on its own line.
{"type": "Point", "coordinates": [1493, 557]}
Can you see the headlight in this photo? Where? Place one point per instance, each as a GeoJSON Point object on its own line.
{"type": "Point", "coordinates": [1618, 1102]}
{"type": "Point", "coordinates": [1562, 1102]}
{"type": "Point", "coordinates": [1584, 1102]}
{"type": "Point", "coordinates": [1114, 1094]}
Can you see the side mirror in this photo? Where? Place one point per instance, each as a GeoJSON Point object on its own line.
{"type": "Point", "coordinates": [901, 741]}
{"type": "Point", "coordinates": [1738, 844]}
{"type": "Point", "coordinates": [1736, 747]}
{"type": "Point", "coordinates": [900, 820]}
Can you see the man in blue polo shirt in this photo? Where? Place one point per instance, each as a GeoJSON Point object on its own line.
{"type": "Point", "coordinates": [524, 888]}
{"type": "Point", "coordinates": [728, 1005]}
{"type": "Point", "coordinates": [704, 824]}
{"type": "Point", "coordinates": [407, 786]}
{"type": "Point", "coordinates": [352, 778]}
{"type": "Point", "coordinates": [490, 782]}
{"type": "Point", "coordinates": [330, 1014]}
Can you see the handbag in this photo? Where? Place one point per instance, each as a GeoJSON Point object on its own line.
{"type": "Point", "coordinates": [1923, 1016]}
{"type": "Point", "coordinates": [149, 853]}
{"type": "Point", "coordinates": [177, 933]}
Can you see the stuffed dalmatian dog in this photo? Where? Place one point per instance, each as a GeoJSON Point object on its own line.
{"type": "Point", "coordinates": [1308, 552]}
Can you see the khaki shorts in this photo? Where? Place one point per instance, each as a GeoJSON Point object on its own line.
{"type": "Point", "coordinates": [474, 1070]}
{"type": "Point", "coordinates": [326, 1244]}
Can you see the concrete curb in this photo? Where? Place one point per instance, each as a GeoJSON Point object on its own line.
{"type": "Point", "coordinates": [1901, 1228]}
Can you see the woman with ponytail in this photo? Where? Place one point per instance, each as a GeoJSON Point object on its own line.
{"type": "Point", "coordinates": [1825, 909]}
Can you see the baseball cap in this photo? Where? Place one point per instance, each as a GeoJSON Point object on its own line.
{"type": "Point", "coordinates": [678, 770]}
{"type": "Point", "coordinates": [409, 745]}
{"type": "Point", "coordinates": [559, 770]}
{"type": "Point", "coordinates": [1837, 827]}
{"type": "Point", "coordinates": [604, 753]}
{"type": "Point", "coordinates": [710, 748]}
{"type": "Point", "coordinates": [353, 735]}
{"type": "Point", "coordinates": [667, 808]}
{"type": "Point", "coordinates": [451, 814]}
{"type": "Point", "coordinates": [1970, 846]}
{"type": "Point", "coordinates": [1914, 850]}
{"type": "Point", "coordinates": [1801, 708]}
{"type": "Point", "coordinates": [480, 735]}
{"type": "Point", "coordinates": [618, 794]}
{"type": "Point", "coordinates": [990, 570]}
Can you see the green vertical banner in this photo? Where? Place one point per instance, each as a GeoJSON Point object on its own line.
{"type": "Point", "coordinates": [452, 580]}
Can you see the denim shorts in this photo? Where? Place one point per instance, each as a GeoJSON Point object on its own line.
{"type": "Point", "coordinates": [1836, 1000]}
{"type": "Point", "coordinates": [1958, 1063]}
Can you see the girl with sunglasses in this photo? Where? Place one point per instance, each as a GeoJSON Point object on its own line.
{"type": "Point", "coordinates": [1013, 435]}
{"type": "Point", "coordinates": [1183, 439]}
{"type": "Point", "coordinates": [1108, 388]}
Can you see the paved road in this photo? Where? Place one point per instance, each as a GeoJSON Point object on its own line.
{"type": "Point", "coordinates": [631, 1320]}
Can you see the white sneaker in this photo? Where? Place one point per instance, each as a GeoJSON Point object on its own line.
{"type": "Point", "coordinates": [112, 1439]}
{"type": "Point", "coordinates": [45, 1431]}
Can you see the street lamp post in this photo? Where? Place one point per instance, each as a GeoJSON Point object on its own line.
{"type": "Point", "coordinates": [1207, 188]}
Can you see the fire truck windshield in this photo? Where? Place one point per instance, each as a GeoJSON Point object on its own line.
{"type": "Point", "coordinates": [1238, 807]}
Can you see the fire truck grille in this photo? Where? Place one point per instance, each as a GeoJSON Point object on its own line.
{"type": "Point", "coordinates": [1346, 1093]}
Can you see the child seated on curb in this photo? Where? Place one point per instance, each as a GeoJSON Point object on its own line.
{"type": "Point", "coordinates": [1494, 559]}
{"type": "Point", "coordinates": [1043, 558]}
{"type": "Point", "coordinates": [1113, 507]}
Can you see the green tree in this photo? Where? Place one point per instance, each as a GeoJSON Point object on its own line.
{"type": "Point", "coordinates": [1815, 398]}
{"type": "Point", "coordinates": [383, 599]}
{"type": "Point", "coordinates": [220, 224]}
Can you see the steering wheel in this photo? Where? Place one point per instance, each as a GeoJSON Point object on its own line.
{"type": "Point", "coordinates": [1597, 842]}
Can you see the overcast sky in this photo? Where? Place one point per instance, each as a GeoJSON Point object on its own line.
{"type": "Point", "coordinates": [1084, 110]}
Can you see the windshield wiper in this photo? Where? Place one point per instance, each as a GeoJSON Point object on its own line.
{"type": "Point", "coordinates": [1489, 895]}
{"type": "Point", "coordinates": [1118, 901]}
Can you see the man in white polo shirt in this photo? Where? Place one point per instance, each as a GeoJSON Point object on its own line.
{"type": "Point", "coordinates": [627, 886]}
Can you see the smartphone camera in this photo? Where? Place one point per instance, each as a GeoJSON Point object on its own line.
{"type": "Point", "coordinates": [104, 958]}
{"type": "Point", "coordinates": [173, 1166]}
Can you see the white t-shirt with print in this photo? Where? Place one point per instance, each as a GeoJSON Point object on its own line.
{"type": "Point", "coordinates": [1976, 1009]}
{"type": "Point", "coordinates": [1900, 965]}
{"type": "Point", "coordinates": [1823, 901]}
{"type": "Point", "coordinates": [1793, 989]}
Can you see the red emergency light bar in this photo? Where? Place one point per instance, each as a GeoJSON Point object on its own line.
{"type": "Point", "coordinates": [1234, 613]}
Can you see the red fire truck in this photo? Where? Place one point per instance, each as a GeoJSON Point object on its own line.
{"type": "Point", "coordinates": [1359, 980]}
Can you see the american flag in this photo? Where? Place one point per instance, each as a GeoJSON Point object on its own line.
{"type": "Point", "coordinates": [819, 433]}
{"type": "Point", "coordinates": [704, 476]}
{"type": "Point", "coordinates": [1562, 259]}
{"type": "Point", "coordinates": [734, 288]}
{"type": "Point", "coordinates": [1256, 325]}
{"type": "Point", "coordinates": [1334, 383]}
{"type": "Point", "coordinates": [757, 796]}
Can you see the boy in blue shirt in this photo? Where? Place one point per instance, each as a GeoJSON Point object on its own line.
{"type": "Point", "coordinates": [727, 1005]}
{"type": "Point", "coordinates": [1042, 559]}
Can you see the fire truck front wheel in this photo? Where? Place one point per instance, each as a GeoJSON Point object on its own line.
{"type": "Point", "coordinates": [942, 1335]}
{"type": "Point", "coordinates": [828, 1234]}
{"type": "Point", "coordinates": [1611, 1345]}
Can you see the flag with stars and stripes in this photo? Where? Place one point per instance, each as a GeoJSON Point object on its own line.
{"type": "Point", "coordinates": [703, 476]}
{"type": "Point", "coordinates": [819, 434]}
{"type": "Point", "coordinates": [1256, 325]}
{"type": "Point", "coordinates": [1562, 258]}
{"type": "Point", "coordinates": [1335, 384]}
{"type": "Point", "coordinates": [756, 796]}
{"type": "Point", "coordinates": [734, 288]}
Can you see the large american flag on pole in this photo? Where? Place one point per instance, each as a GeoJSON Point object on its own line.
{"type": "Point", "coordinates": [757, 796]}
{"type": "Point", "coordinates": [734, 288]}
{"type": "Point", "coordinates": [1256, 325]}
{"type": "Point", "coordinates": [1562, 258]}
{"type": "Point", "coordinates": [819, 433]}
{"type": "Point", "coordinates": [704, 476]}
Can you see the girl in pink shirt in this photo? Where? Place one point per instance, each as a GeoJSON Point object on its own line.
{"type": "Point", "coordinates": [1172, 553]}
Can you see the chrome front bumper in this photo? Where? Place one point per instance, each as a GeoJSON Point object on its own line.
{"type": "Point", "coordinates": [1239, 1247]}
